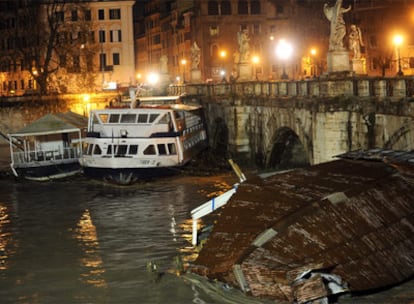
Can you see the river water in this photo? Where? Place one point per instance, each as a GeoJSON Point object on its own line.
{"type": "Point", "coordinates": [82, 241]}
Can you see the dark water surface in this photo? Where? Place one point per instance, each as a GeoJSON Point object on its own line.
{"type": "Point", "coordinates": [81, 241]}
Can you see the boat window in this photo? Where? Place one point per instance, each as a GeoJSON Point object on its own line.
{"type": "Point", "coordinates": [153, 117]}
{"type": "Point", "coordinates": [142, 118]}
{"type": "Point", "coordinates": [133, 149]}
{"type": "Point", "coordinates": [114, 118]}
{"type": "Point", "coordinates": [103, 118]}
{"type": "Point", "coordinates": [97, 150]}
{"type": "Point", "coordinates": [164, 119]}
{"type": "Point", "coordinates": [109, 150]}
{"type": "Point", "coordinates": [161, 149]}
{"type": "Point", "coordinates": [128, 118]}
{"type": "Point", "coordinates": [172, 149]}
{"type": "Point", "coordinates": [150, 150]}
{"type": "Point", "coordinates": [122, 150]}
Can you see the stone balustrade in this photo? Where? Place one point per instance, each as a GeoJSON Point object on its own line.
{"type": "Point", "coordinates": [381, 88]}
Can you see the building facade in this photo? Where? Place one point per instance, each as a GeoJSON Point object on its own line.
{"type": "Point", "coordinates": [171, 28]}
{"type": "Point", "coordinates": [71, 47]}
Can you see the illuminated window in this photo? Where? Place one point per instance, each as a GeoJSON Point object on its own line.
{"type": "Point", "coordinates": [115, 14]}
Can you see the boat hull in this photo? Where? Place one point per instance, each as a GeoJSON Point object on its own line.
{"type": "Point", "coordinates": [47, 172]}
{"type": "Point", "coordinates": [127, 176]}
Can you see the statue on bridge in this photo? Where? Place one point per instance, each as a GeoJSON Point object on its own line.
{"type": "Point", "coordinates": [244, 46]}
{"type": "Point", "coordinates": [242, 57]}
{"type": "Point", "coordinates": [338, 55]}
{"type": "Point", "coordinates": [195, 56]}
{"type": "Point", "coordinates": [338, 29]}
{"type": "Point", "coordinates": [355, 41]}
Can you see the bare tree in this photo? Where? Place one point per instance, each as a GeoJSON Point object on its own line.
{"type": "Point", "coordinates": [51, 35]}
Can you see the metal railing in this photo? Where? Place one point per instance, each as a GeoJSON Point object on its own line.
{"type": "Point", "coordinates": [45, 155]}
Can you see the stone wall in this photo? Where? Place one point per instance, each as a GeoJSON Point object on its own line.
{"type": "Point", "coordinates": [16, 113]}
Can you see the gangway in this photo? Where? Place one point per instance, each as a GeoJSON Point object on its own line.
{"type": "Point", "coordinates": [216, 202]}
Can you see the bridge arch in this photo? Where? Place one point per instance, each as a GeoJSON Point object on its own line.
{"type": "Point", "coordinates": [286, 151]}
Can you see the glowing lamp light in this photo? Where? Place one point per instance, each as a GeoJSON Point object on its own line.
{"type": "Point", "coordinates": [153, 78]}
{"type": "Point", "coordinates": [284, 49]}
{"type": "Point", "coordinates": [255, 59]}
{"type": "Point", "coordinates": [398, 40]}
{"type": "Point", "coordinates": [86, 98]}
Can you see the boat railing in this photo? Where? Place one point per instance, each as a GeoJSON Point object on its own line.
{"type": "Point", "coordinates": [45, 155]}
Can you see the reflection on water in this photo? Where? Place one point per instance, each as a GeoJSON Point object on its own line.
{"type": "Point", "coordinates": [6, 240]}
{"type": "Point", "coordinates": [80, 241]}
{"type": "Point", "coordinates": [85, 233]}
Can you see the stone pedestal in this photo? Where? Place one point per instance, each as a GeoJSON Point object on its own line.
{"type": "Point", "coordinates": [196, 76]}
{"type": "Point", "coordinates": [338, 61]}
{"type": "Point", "coordinates": [359, 66]}
{"type": "Point", "coordinates": [245, 72]}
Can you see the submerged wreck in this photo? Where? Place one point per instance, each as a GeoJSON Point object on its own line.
{"type": "Point", "coordinates": [303, 235]}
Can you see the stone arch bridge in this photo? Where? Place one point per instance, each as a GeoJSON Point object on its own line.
{"type": "Point", "coordinates": [280, 125]}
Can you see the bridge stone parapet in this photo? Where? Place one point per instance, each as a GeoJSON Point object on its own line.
{"type": "Point", "coordinates": [274, 124]}
{"type": "Point", "coordinates": [381, 88]}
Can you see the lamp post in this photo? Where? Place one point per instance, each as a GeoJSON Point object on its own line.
{"type": "Point", "coordinates": [284, 51]}
{"type": "Point", "coordinates": [183, 63]}
{"type": "Point", "coordinates": [398, 40]}
{"type": "Point", "coordinates": [313, 54]}
{"type": "Point", "coordinates": [222, 54]}
{"type": "Point", "coordinates": [256, 60]}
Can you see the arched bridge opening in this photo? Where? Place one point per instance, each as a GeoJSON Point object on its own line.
{"type": "Point", "coordinates": [287, 151]}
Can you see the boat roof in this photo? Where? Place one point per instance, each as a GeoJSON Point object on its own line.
{"type": "Point", "coordinates": [53, 124]}
{"type": "Point", "coordinates": [159, 98]}
{"type": "Point", "coordinates": [150, 106]}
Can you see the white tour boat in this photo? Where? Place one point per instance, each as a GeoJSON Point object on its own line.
{"type": "Point", "coordinates": [124, 145]}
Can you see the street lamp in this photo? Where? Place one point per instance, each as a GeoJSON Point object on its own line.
{"type": "Point", "coordinates": [398, 40]}
{"type": "Point", "coordinates": [223, 75]}
{"type": "Point", "coordinates": [284, 51]}
{"type": "Point", "coordinates": [183, 63]}
{"type": "Point", "coordinates": [222, 60]}
{"type": "Point", "coordinates": [256, 60]}
{"type": "Point", "coordinates": [153, 78]}
{"type": "Point", "coordinates": [313, 54]}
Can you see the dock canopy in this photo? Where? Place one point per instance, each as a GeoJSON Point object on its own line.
{"type": "Point", "coordinates": [54, 123]}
